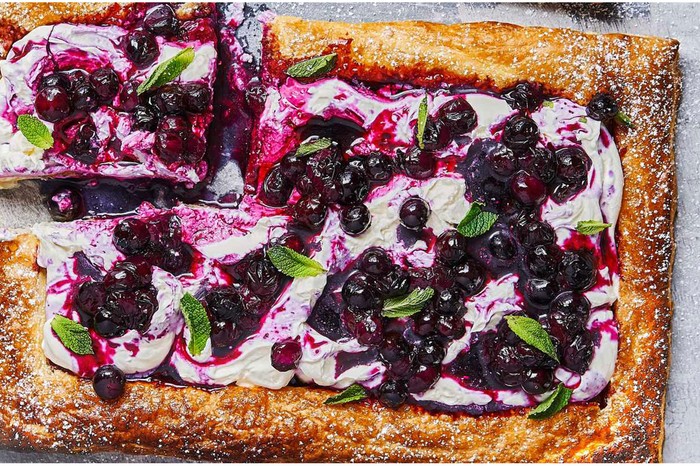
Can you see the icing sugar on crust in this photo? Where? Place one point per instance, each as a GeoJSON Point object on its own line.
{"type": "Point", "coordinates": [47, 408]}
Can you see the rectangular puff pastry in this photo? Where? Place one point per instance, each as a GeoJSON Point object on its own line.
{"type": "Point", "coordinates": [46, 408]}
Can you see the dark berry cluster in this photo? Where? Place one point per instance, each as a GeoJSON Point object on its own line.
{"type": "Point", "coordinates": [124, 298]}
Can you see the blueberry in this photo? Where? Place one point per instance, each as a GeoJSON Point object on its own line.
{"type": "Point", "coordinates": [169, 99]}
{"type": "Point", "coordinates": [197, 97]}
{"type": "Point", "coordinates": [394, 284]}
{"type": "Point", "coordinates": [310, 212]}
{"type": "Point", "coordinates": [105, 82]}
{"type": "Point", "coordinates": [523, 96]}
{"type": "Point", "coordinates": [520, 133]}
{"type": "Point", "coordinates": [602, 107]}
{"type": "Point", "coordinates": [458, 115]}
{"type": "Point", "coordinates": [131, 236]}
{"type": "Point", "coordinates": [501, 160]}
{"type": "Point", "coordinates": [527, 189]}
{"type": "Point", "coordinates": [262, 278]}
{"type": "Point", "coordinates": [286, 355]}
{"type": "Point", "coordinates": [52, 104]}
{"type": "Point", "coordinates": [57, 79]}
{"type": "Point", "coordinates": [540, 162]}
{"type": "Point", "coordinates": [543, 260]}
{"type": "Point", "coordinates": [430, 351]}
{"type": "Point", "coordinates": [436, 135]}
{"type": "Point", "coordinates": [414, 213]}
{"type": "Point", "coordinates": [534, 232]}
{"type": "Point", "coordinates": [161, 21]}
{"type": "Point", "coordinates": [573, 164]}
{"type": "Point", "coordinates": [416, 163]}
{"type": "Point", "coordinates": [392, 393]}
{"type": "Point", "coordinates": [393, 348]}
{"type": "Point", "coordinates": [90, 297]}
{"type": "Point", "coordinates": [65, 204]}
{"type": "Point", "coordinates": [359, 292]}
{"type": "Point", "coordinates": [276, 188]}
{"type": "Point", "coordinates": [578, 270]}
{"type": "Point", "coordinates": [144, 118]}
{"type": "Point", "coordinates": [225, 304]}
{"type": "Point", "coordinates": [353, 186]}
{"type": "Point", "coordinates": [501, 245]}
{"type": "Point", "coordinates": [577, 356]}
{"type": "Point", "coordinates": [379, 167]}
{"type": "Point", "coordinates": [355, 220]}
{"type": "Point", "coordinates": [425, 377]}
{"type": "Point", "coordinates": [448, 301]}
{"type": "Point", "coordinates": [108, 382]}
{"type": "Point", "coordinates": [369, 330]}
{"type": "Point", "coordinates": [292, 241]}
{"type": "Point", "coordinates": [85, 98]}
{"type": "Point", "coordinates": [141, 48]}
{"type": "Point", "coordinates": [108, 325]}
{"type": "Point", "coordinates": [540, 292]}
{"type": "Point", "coordinates": [84, 147]}
{"type": "Point", "coordinates": [451, 248]}
{"type": "Point", "coordinates": [450, 327]}
{"type": "Point", "coordinates": [470, 277]}
{"type": "Point", "coordinates": [375, 261]}
{"type": "Point", "coordinates": [538, 382]}
{"type": "Point", "coordinates": [293, 166]}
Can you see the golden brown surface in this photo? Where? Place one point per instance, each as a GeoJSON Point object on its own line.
{"type": "Point", "coordinates": [47, 408]}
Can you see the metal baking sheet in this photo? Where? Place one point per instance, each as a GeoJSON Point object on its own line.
{"type": "Point", "coordinates": [21, 206]}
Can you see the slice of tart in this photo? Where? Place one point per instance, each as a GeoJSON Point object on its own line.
{"type": "Point", "coordinates": [126, 97]}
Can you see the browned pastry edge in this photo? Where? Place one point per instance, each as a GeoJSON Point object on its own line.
{"type": "Point", "coordinates": [47, 408]}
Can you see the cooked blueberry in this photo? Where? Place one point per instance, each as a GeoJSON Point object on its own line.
{"type": "Point", "coordinates": [108, 382]}
{"type": "Point", "coordinates": [458, 115]}
{"type": "Point", "coordinates": [355, 220]}
{"type": "Point", "coordinates": [392, 393]}
{"type": "Point", "coordinates": [108, 325]}
{"type": "Point", "coordinates": [52, 104]}
{"type": "Point", "coordinates": [424, 323]}
{"type": "Point", "coordinates": [225, 304]}
{"type": "Point", "coordinates": [170, 147]}
{"type": "Point", "coordinates": [470, 277]}
{"type": "Point", "coordinates": [369, 330]}
{"type": "Point", "coordinates": [131, 236]}
{"type": "Point", "coordinates": [197, 97]}
{"type": "Point", "coordinates": [540, 292]}
{"type": "Point", "coordinates": [262, 278]}
{"type": "Point", "coordinates": [105, 82]}
{"type": "Point", "coordinates": [436, 135]}
{"type": "Point", "coordinates": [535, 232]}
{"type": "Point", "coordinates": [448, 301]}
{"type": "Point", "coordinates": [430, 351]}
{"type": "Point", "coordinates": [403, 367]}
{"type": "Point", "coordinates": [425, 377]}
{"type": "Point", "coordinates": [416, 163]}
{"type": "Point", "coordinates": [65, 204]}
{"type": "Point", "coordinates": [542, 261]}
{"type": "Point", "coordinates": [523, 96]}
{"type": "Point", "coordinates": [393, 348]}
{"type": "Point", "coordinates": [292, 241]}
{"type": "Point", "coordinates": [141, 48]}
{"type": "Point", "coordinates": [128, 275]}
{"type": "Point", "coordinates": [451, 248]}
{"type": "Point", "coordinates": [565, 325]}
{"type": "Point", "coordinates": [359, 292]}
{"type": "Point", "coordinates": [578, 270]}
{"type": "Point", "coordinates": [293, 165]}
{"type": "Point", "coordinates": [174, 124]}
{"type": "Point", "coordinates": [379, 167]}
{"type": "Point", "coordinates": [169, 99]}
{"type": "Point", "coordinates": [161, 21]}
{"type": "Point", "coordinates": [85, 98]}
{"type": "Point", "coordinates": [538, 381]}
{"type": "Point", "coordinates": [224, 334]}
{"type": "Point", "coordinates": [84, 147]}
{"type": "Point", "coordinates": [276, 188]}
{"type": "Point", "coordinates": [358, 163]}
{"type": "Point", "coordinates": [375, 261]}
{"type": "Point", "coordinates": [90, 297]}
{"type": "Point", "coordinates": [577, 356]}
{"type": "Point", "coordinates": [571, 303]}
{"type": "Point", "coordinates": [54, 79]}
{"type": "Point", "coordinates": [527, 189]}
{"type": "Point", "coordinates": [394, 284]}
{"type": "Point", "coordinates": [572, 164]}
{"type": "Point", "coordinates": [520, 133]}
{"type": "Point", "coordinates": [310, 212]}
{"type": "Point", "coordinates": [286, 355]}
{"type": "Point", "coordinates": [501, 160]}
{"type": "Point", "coordinates": [353, 186]}
{"type": "Point", "coordinates": [451, 327]}
{"type": "Point", "coordinates": [501, 245]}
{"type": "Point", "coordinates": [76, 78]}
{"type": "Point", "coordinates": [602, 107]}
{"type": "Point", "coordinates": [414, 213]}
{"type": "Point", "coordinates": [540, 162]}
{"type": "Point", "coordinates": [175, 260]}
{"type": "Point", "coordinates": [144, 118]}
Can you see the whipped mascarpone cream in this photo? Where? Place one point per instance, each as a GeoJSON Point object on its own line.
{"type": "Point", "coordinates": [224, 237]}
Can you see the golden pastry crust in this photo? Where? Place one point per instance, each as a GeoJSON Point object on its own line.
{"type": "Point", "coordinates": [48, 408]}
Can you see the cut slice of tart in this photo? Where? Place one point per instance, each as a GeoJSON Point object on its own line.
{"type": "Point", "coordinates": [126, 97]}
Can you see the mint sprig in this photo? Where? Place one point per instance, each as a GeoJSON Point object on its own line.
{"type": "Point", "coordinates": [422, 121]}
{"type": "Point", "coordinates": [477, 221]}
{"type": "Point", "coordinates": [532, 333]}
{"type": "Point", "coordinates": [625, 120]}
{"type": "Point", "coordinates": [552, 404]}
{"type": "Point", "coordinates": [36, 132]}
{"type": "Point", "coordinates": [312, 147]}
{"type": "Point", "coordinates": [293, 264]}
{"type": "Point", "coordinates": [313, 67]}
{"type": "Point", "coordinates": [197, 321]}
{"type": "Point", "coordinates": [591, 227]}
{"type": "Point", "coordinates": [354, 392]}
{"type": "Point", "coordinates": [168, 70]}
{"type": "Point", "coordinates": [74, 336]}
{"type": "Point", "coordinates": [407, 305]}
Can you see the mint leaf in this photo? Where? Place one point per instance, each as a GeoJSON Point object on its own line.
{"type": "Point", "coordinates": [293, 264]}
{"type": "Point", "coordinates": [74, 336]}
{"type": "Point", "coordinates": [552, 404]}
{"type": "Point", "coordinates": [312, 147]}
{"type": "Point", "coordinates": [532, 333]}
{"type": "Point", "coordinates": [422, 120]}
{"type": "Point", "coordinates": [313, 67]}
{"type": "Point", "coordinates": [197, 321]}
{"type": "Point", "coordinates": [409, 304]}
{"type": "Point", "coordinates": [591, 227]}
{"type": "Point", "coordinates": [548, 103]}
{"type": "Point", "coordinates": [624, 119]}
{"type": "Point", "coordinates": [36, 132]}
{"type": "Point", "coordinates": [476, 222]}
{"type": "Point", "coordinates": [583, 119]}
{"type": "Point", "coordinates": [354, 392]}
{"type": "Point", "coordinates": [168, 70]}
